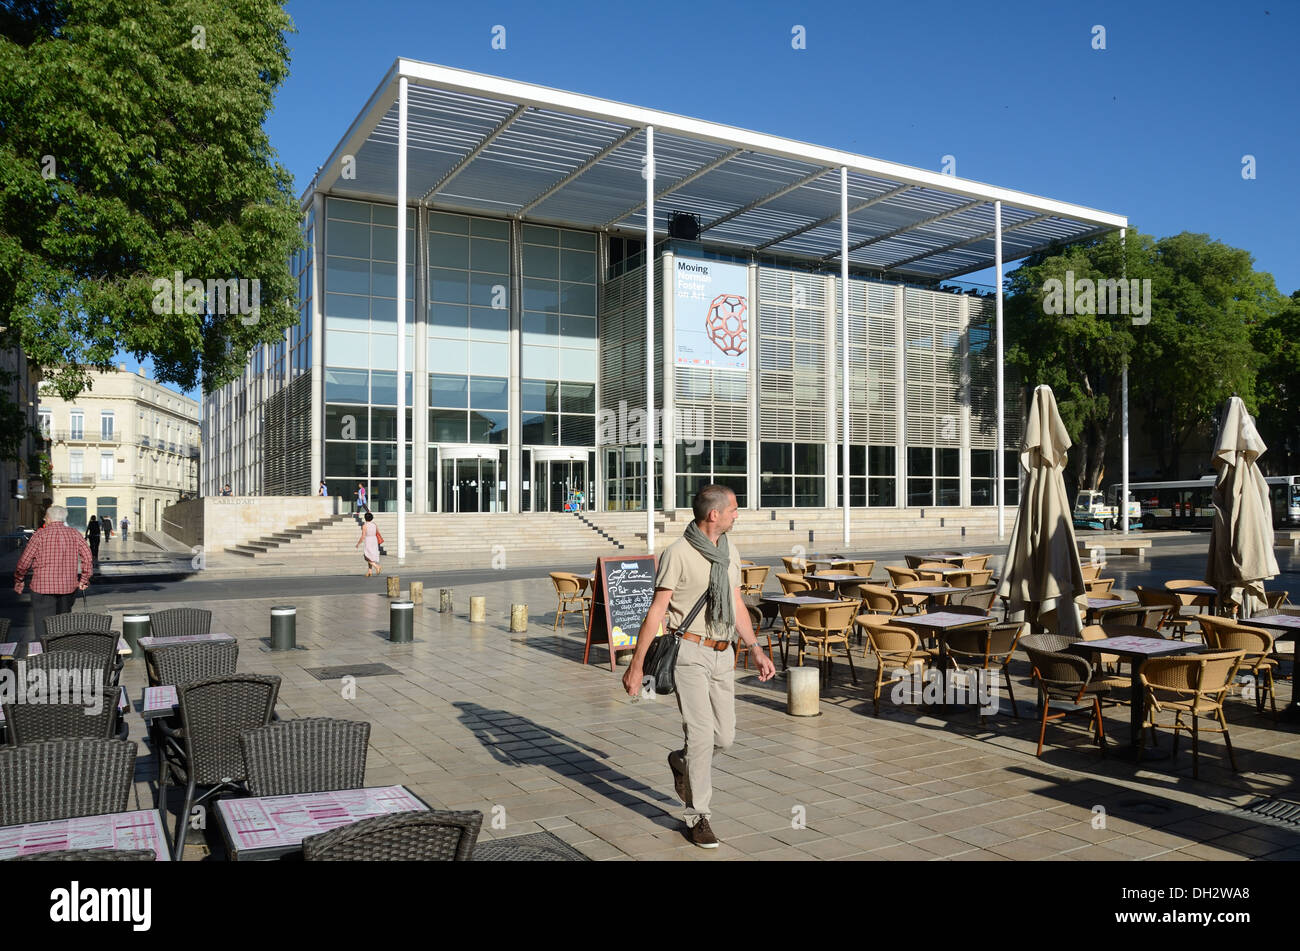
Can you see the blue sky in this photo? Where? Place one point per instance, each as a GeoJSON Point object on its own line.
{"type": "Point", "coordinates": [1155, 126]}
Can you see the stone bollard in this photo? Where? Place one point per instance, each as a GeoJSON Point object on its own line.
{"type": "Point", "coordinates": [401, 616]}
{"type": "Point", "coordinates": [394, 585]}
{"type": "Point", "coordinates": [478, 608]}
{"type": "Point", "coordinates": [284, 628]}
{"type": "Point", "coordinates": [417, 592]}
{"type": "Point", "coordinates": [444, 600]}
{"type": "Point", "coordinates": [518, 618]}
{"type": "Point", "coordinates": [134, 627]}
{"type": "Point", "coordinates": [803, 691]}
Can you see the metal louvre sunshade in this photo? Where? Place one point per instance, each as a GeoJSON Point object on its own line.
{"type": "Point", "coordinates": [484, 144]}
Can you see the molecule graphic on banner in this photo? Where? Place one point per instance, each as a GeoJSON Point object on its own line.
{"type": "Point", "coordinates": [726, 324]}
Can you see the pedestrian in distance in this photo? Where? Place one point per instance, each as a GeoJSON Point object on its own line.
{"type": "Point", "coordinates": [225, 489]}
{"type": "Point", "coordinates": [702, 560]}
{"type": "Point", "coordinates": [92, 536]}
{"type": "Point", "coordinates": [369, 544]}
{"type": "Point", "coordinates": [323, 491]}
{"type": "Point", "coordinates": [126, 528]}
{"type": "Point", "coordinates": [53, 556]}
{"type": "Point", "coordinates": [362, 501]}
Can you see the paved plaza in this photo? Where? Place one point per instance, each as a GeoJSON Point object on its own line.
{"type": "Point", "coordinates": [513, 724]}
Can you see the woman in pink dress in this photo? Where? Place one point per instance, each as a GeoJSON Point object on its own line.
{"type": "Point", "coordinates": [369, 544]}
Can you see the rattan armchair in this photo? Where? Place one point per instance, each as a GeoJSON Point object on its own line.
{"type": "Point", "coordinates": [569, 591]}
{"type": "Point", "coordinates": [180, 622]}
{"type": "Point", "coordinates": [77, 622]}
{"type": "Point", "coordinates": [434, 836]}
{"type": "Point", "coordinates": [1199, 601]}
{"type": "Point", "coordinates": [37, 722]}
{"type": "Point", "coordinates": [986, 649]}
{"type": "Point", "coordinates": [793, 583]}
{"type": "Point", "coordinates": [103, 644]}
{"type": "Point", "coordinates": [1064, 677]}
{"type": "Point", "coordinates": [1090, 570]}
{"type": "Point", "coordinates": [1098, 586]}
{"type": "Point", "coordinates": [981, 598]}
{"type": "Point", "coordinates": [206, 750]}
{"type": "Point", "coordinates": [1196, 685]}
{"type": "Point", "coordinates": [824, 626]}
{"type": "Point", "coordinates": [894, 648]}
{"type": "Point", "coordinates": [1175, 620]}
{"type": "Point", "coordinates": [316, 754]}
{"type": "Point", "coordinates": [756, 619]}
{"type": "Point", "coordinates": [64, 779]}
{"type": "Point", "coordinates": [976, 562]}
{"type": "Point", "coordinates": [180, 664]}
{"type": "Point", "coordinates": [915, 602]}
{"type": "Point", "coordinates": [752, 578]}
{"type": "Point", "coordinates": [863, 568]}
{"type": "Point", "coordinates": [795, 566]}
{"type": "Point", "coordinates": [899, 575]}
{"type": "Point", "coordinates": [1221, 634]}
{"type": "Point", "coordinates": [933, 571]}
{"type": "Point", "coordinates": [878, 600]}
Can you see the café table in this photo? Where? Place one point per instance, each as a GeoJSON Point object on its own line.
{"type": "Point", "coordinates": [952, 557]}
{"type": "Point", "coordinates": [1097, 607]}
{"type": "Point", "coordinates": [937, 624]}
{"type": "Point", "coordinates": [158, 702]}
{"type": "Point", "coordinates": [839, 580]}
{"type": "Point", "coordinates": [269, 827]}
{"type": "Point", "coordinates": [931, 591]}
{"type": "Point", "coordinates": [1136, 650]}
{"type": "Point", "coordinates": [831, 561]}
{"type": "Point", "coordinates": [141, 829]}
{"type": "Point", "coordinates": [1288, 628]}
{"type": "Point", "coordinates": [184, 639]}
{"type": "Point", "coordinates": [1203, 590]}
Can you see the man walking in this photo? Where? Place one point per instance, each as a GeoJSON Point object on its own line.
{"type": "Point", "coordinates": [52, 556]}
{"type": "Point", "coordinates": [703, 560]}
{"type": "Point", "coordinates": [126, 527]}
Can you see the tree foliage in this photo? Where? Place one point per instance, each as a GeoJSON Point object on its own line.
{"type": "Point", "coordinates": [131, 148]}
{"type": "Point", "coordinates": [1277, 341]}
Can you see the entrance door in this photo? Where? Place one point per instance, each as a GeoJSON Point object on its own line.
{"type": "Point", "coordinates": [469, 484]}
{"type": "Point", "coordinates": [565, 482]}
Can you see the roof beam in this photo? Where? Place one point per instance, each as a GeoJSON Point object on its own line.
{"type": "Point", "coordinates": [580, 170]}
{"type": "Point", "coordinates": [474, 153]}
{"type": "Point", "coordinates": [1085, 236]}
{"type": "Point", "coordinates": [961, 244]}
{"type": "Point", "coordinates": [699, 172]}
{"type": "Point", "coordinates": [884, 196]}
{"type": "Point", "coordinates": [906, 228]}
{"type": "Point", "coordinates": [759, 202]}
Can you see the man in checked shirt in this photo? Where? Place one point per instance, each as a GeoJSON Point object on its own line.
{"type": "Point", "coordinates": [52, 556]}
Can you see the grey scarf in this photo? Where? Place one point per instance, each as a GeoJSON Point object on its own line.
{"type": "Point", "coordinates": [720, 609]}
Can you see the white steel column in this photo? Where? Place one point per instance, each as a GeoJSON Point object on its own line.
{"type": "Point", "coordinates": [649, 174]}
{"type": "Point", "coordinates": [1123, 401]}
{"type": "Point", "coordinates": [844, 340]}
{"type": "Point", "coordinates": [1001, 451]}
{"type": "Point", "coordinates": [401, 321]}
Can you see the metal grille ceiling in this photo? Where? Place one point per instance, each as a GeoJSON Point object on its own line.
{"type": "Point", "coordinates": [484, 144]}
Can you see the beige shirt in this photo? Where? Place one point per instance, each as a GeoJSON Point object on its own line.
{"type": "Point", "coordinates": [685, 572]}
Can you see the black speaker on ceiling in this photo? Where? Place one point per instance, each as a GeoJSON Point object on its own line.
{"type": "Point", "coordinates": [684, 226]}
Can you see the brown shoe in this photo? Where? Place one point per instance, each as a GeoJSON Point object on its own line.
{"type": "Point", "coordinates": [681, 781]}
{"type": "Point", "coordinates": [700, 834]}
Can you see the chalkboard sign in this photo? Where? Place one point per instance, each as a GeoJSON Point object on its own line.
{"type": "Point", "coordinates": [621, 596]}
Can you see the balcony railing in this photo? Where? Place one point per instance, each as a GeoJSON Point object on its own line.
{"type": "Point", "coordinates": [67, 435]}
{"type": "Point", "coordinates": [74, 478]}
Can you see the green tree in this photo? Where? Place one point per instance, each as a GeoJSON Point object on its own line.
{"type": "Point", "coordinates": [1197, 351]}
{"type": "Point", "coordinates": [1277, 341]}
{"type": "Point", "coordinates": [131, 150]}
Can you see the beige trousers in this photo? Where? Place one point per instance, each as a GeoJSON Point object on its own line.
{"type": "Point", "coordinates": [706, 697]}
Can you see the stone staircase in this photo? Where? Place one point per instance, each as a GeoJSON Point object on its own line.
{"type": "Point", "coordinates": [277, 540]}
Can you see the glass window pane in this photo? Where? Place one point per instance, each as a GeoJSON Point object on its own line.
{"type": "Point", "coordinates": [489, 255]}
{"type": "Point", "coordinates": [880, 492]}
{"type": "Point", "coordinates": [809, 492]}
{"type": "Point", "coordinates": [347, 306]}
{"type": "Point", "coordinates": [489, 323]}
{"type": "Point", "coordinates": [347, 386]}
{"type": "Point", "coordinates": [345, 460]}
{"type": "Point", "coordinates": [920, 492]}
{"type": "Point", "coordinates": [857, 459]}
{"type": "Point", "coordinates": [444, 318]}
{"type": "Point", "coordinates": [579, 240]}
{"type": "Point", "coordinates": [981, 491]}
{"type": "Point", "coordinates": [578, 266]}
{"type": "Point", "coordinates": [345, 422]}
{"type": "Point", "coordinates": [383, 387]}
{"type": "Point", "coordinates": [949, 462]}
{"type": "Point", "coordinates": [448, 390]}
{"type": "Point", "coordinates": [538, 234]}
{"type": "Point", "coordinates": [489, 228]}
{"type": "Point", "coordinates": [578, 299]}
{"type": "Point", "coordinates": [451, 287]}
{"type": "Point", "coordinates": [577, 430]}
{"type": "Point", "coordinates": [448, 250]}
{"type": "Point", "coordinates": [541, 295]}
{"type": "Point", "coordinates": [981, 464]}
{"type": "Point", "coordinates": [920, 462]}
{"type": "Point", "coordinates": [448, 425]}
{"type": "Point", "coordinates": [736, 484]}
{"type": "Point", "coordinates": [488, 427]}
{"type": "Point", "coordinates": [541, 262]}
{"type": "Point", "coordinates": [774, 491]}
{"type": "Point", "coordinates": [347, 210]}
{"type": "Point", "coordinates": [347, 275]}
{"type": "Point", "coordinates": [383, 424]}
{"type": "Point", "coordinates": [348, 238]}
{"type": "Point", "coordinates": [542, 325]}
{"type": "Point", "coordinates": [949, 491]}
{"type": "Point", "coordinates": [489, 290]}
{"type": "Point", "coordinates": [578, 397]}
{"type": "Point", "coordinates": [881, 459]}
{"type": "Point", "coordinates": [534, 395]}
{"type": "Point", "coordinates": [809, 459]}
{"type": "Point", "coordinates": [486, 392]}
{"type": "Point", "coordinates": [776, 458]}
{"type": "Point", "coordinates": [730, 456]}
{"type": "Point", "coordinates": [441, 221]}
{"type": "Point", "coordinates": [541, 429]}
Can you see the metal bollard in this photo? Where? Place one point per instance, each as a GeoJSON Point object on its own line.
{"type": "Point", "coordinates": [803, 691]}
{"type": "Point", "coordinates": [518, 618]}
{"type": "Point", "coordinates": [401, 617]}
{"type": "Point", "coordinates": [134, 627]}
{"type": "Point", "coordinates": [394, 586]}
{"type": "Point", "coordinates": [444, 600]}
{"type": "Point", "coordinates": [417, 592]}
{"type": "Point", "coordinates": [284, 627]}
{"type": "Point", "coordinates": [478, 608]}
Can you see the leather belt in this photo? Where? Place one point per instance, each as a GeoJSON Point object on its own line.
{"type": "Point", "coordinates": [706, 642]}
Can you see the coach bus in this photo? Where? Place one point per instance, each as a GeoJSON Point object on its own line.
{"type": "Point", "coordinates": [1190, 503]}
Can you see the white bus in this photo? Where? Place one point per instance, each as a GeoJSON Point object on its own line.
{"type": "Point", "coordinates": [1190, 503]}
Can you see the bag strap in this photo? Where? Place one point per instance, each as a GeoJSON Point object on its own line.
{"type": "Point", "coordinates": [686, 621]}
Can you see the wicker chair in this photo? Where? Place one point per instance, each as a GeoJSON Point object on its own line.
{"type": "Point", "coordinates": [1199, 601]}
{"type": "Point", "coordinates": [913, 561]}
{"type": "Point", "coordinates": [89, 855]}
{"type": "Point", "coordinates": [933, 571]}
{"type": "Point", "coordinates": [1062, 676]}
{"type": "Point", "coordinates": [568, 591]}
{"type": "Point", "coordinates": [400, 837]}
{"type": "Point", "coordinates": [180, 622]}
{"type": "Point", "coordinates": [1195, 685]}
{"type": "Point", "coordinates": [752, 579]}
{"type": "Point", "coordinates": [755, 620]}
{"type": "Point", "coordinates": [976, 562]}
{"type": "Point", "coordinates": [877, 600]}
{"type": "Point", "coordinates": [987, 648]}
{"type": "Point", "coordinates": [792, 583]}
{"type": "Point", "coordinates": [4, 628]}
{"type": "Point", "coordinates": [1222, 634]}
{"type": "Point", "coordinates": [1090, 571]}
{"type": "Point", "coordinates": [64, 779]}
{"type": "Point", "coordinates": [1098, 586]}
{"type": "Point", "coordinates": [969, 577]}
{"type": "Point", "coordinates": [180, 664]}
{"type": "Point", "coordinates": [981, 598]}
{"type": "Point", "coordinates": [899, 576]}
{"type": "Point", "coordinates": [103, 644]}
{"type": "Point", "coordinates": [1274, 600]}
{"type": "Point", "coordinates": [823, 581]}
{"type": "Point", "coordinates": [316, 754]}
{"type": "Point", "coordinates": [918, 601]}
{"type": "Point", "coordinates": [37, 722]}
{"type": "Point", "coordinates": [77, 622]}
{"type": "Point", "coordinates": [795, 566]}
{"type": "Point", "coordinates": [206, 750]}
{"type": "Point", "coordinates": [1175, 620]}
{"type": "Point", "coordinates": [71, 660]}
{"type": "Point", "coordinates": [894, 648]}
{"type": "Point", "coordinates": [823, 626]}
